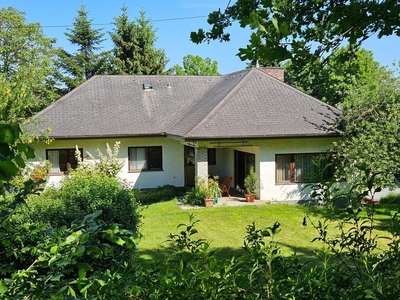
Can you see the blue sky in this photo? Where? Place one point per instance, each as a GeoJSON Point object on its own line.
{"type": "Point", "coordinates": [173, 20]}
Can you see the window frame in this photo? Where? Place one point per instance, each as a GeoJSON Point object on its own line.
{"type": "Point", "coordinates": [292, 167]}
{"type": "Point", "coordinates": [69, 150]}
{"type": "Point", "coordinates": [147, 149]}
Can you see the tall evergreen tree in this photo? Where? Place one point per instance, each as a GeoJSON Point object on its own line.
{"type": "Point", "coordinates": [86, 61]}
{"type": "Point", "coordinates": [134, 46]}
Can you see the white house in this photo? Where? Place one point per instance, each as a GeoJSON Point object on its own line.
{"type": "Point", "coordinates": [173, 128]}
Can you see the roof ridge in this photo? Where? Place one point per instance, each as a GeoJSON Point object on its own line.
{"type": "Point", "coordinates": [297, 90]}
{"type": "Point", "coordinates": [222, 101]}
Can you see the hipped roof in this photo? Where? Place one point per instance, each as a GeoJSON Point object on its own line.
{"type": "Point", "coordinates": [243, 104]}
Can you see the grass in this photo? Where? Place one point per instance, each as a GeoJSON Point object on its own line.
{"type": "Point", "coordinates": [225, 227]}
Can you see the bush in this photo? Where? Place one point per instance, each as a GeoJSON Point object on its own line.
{"type": "Point", "coordinates": [201, 190]}
{"type": "Point", "coordinates": [83, 193]}
{"type": "Point", "coordinates": [159, 194]}
{"type": "Point", "coordinates": [391, 198]}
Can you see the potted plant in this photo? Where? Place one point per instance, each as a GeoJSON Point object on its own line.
{"type": "Point", "coordinates": [210, 190]}
{"type": "Point", "coordinates": [40, 170]}
{"type": "Point", "coordinates": [251, 184]}
{"type": "Point", "coordinates": [203, 193]}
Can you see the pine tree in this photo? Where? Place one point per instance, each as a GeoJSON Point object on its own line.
{"type": "Point", "coordinates": [76, 68]}
{"type": "Point", "coordinates": [134, 46]}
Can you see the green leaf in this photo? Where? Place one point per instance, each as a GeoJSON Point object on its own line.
{"type": "Point", "coordinates": [101, 282]}
{"type": "Point", "coordinates": [275, 23]}
{"type": "Point", "coordinates": [71, 291]}
{"type": "Point", "coordinates": [56, 277]}
{"type": "Point", "coordinates": [53, 249]}
{"type": "Point", "coordinates": [80, 251]}
{"type": "Point", "coordinates": [3, 287]}
{"type": "Point", "coordinates": [85, 288]}
{"type": "Point", "coordinates": [83, 268]}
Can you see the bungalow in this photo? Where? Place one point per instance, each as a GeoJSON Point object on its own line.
{"type": "Point", "coordinates": [173, 128]}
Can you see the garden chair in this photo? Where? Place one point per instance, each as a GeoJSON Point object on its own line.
{"type": "Point", "coordinates": [226, 185]}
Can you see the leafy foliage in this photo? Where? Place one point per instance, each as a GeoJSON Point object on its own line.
{"type": "Point", "coordinates": [195, 65]}
{"type": "Point", "coordinates": [108, 164]}
{"type": "Point", "coordinates": [134, 47]}
{"type": "Point", "coordinates": [332, 79]}
{"type": "Point", "coordinates": [302, 31]}
{"type": "Point", "coordinates": [83, 193]}
{"type": "Point", "coordinates": [391, 198]}
{"type": "Point", "coordinates": [159, 194]}
{"type": "Point", "coordinates": [203, 190]}
{"type": "Point", "coordinates": [65, 262]}
{"type": "Point", "coordinates": [13, 153]}
{"type": "Point", "coordinates": [25, 67]}
{"type": "Point", "coordinates": [370, 129]}
{"type": "Point", "coordinates": [86, 259]}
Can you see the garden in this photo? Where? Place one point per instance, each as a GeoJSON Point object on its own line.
{"type": "Point", "coordinates": [96, 238]}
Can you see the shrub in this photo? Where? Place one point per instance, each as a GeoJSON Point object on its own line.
{"type": "Point", "coordinates": [201, 190]}
{"type": "Point", "coordinates": [391, 198]}
{"type": "Point", "coordinates": [108, 164]}
{"type": "Point", "coordinates": [83, 193]}
{"type": "Point", "coordinates": [159, 194]}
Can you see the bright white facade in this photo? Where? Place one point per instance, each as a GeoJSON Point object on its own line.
{"type": "Point", "coordinates": [228, 161]}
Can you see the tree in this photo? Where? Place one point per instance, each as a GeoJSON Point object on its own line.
{"type": "Point", "coordinates": [331, 82]}
{"type": "Point", "coordinates": [134, 47]}
{"type": "Point", "coordinates": [195, 65]}
{"type": "Point", "coordinates": [302, 31]}
{"type": "Point", "coordinates": [370, 129]}
{"type": "Point", "coordinates": [25, 67]}
{"type": "Point", "coordinates": [78, 67]}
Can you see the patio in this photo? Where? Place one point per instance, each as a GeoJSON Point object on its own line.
{"type": "Point", "coordinates": [236, 199]}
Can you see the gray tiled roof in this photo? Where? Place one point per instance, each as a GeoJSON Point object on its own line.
{"type": "Point", "coordinates": [246, 103]}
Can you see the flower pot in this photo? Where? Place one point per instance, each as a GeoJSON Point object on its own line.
{"type": "Point", "coordinates": [249, 197]}
{"type": "Point", "coordinates": [208, 202]}
{"type": "Point", "coordinates": [36, 177]}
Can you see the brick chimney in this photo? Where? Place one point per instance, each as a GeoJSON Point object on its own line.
{"type": "Point", "coordinates": [277, 72]}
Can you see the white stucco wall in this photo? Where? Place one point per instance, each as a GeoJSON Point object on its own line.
{"type": "Point", "coordinates": [173, 162]}
{"type": "Point", "coordinates": [269, 189]}
{"type": "Point", "coordinates": [172, 157]}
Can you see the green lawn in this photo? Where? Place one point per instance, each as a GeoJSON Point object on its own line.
{"type": "Point", "coordinates": [225, 227]}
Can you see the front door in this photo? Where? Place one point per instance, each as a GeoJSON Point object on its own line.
{"type": "Point", "coordinates": [189, 166]}
{"type": "Point", "coordinates": [243, 162]}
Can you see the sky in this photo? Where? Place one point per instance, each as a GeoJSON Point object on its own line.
{"type": "Point", "coordinates": [173, 21]}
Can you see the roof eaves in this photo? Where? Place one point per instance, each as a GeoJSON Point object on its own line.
{"type": "Point", "coordinates": [260, 137]}
{"type": "Point", "coordinates": [82, 137]}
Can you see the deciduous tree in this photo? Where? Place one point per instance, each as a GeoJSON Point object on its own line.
{"type": "Point", "coordinates": [370, 128]}
{"type": "Point", "coordinates": [196, 65]}
{"type": "Point", "coordinates": [331, 82]}
{"type": "Point", "coordinates": [25, 67]}
{"type": "Point", "coordinates": [302, 31]}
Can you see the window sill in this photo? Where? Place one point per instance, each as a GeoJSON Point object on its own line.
{"type": "Point", "coordinates": [56, 174]}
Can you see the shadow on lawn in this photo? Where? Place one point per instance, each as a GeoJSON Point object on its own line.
{"type": "Point", "coordinates": [157, 256]}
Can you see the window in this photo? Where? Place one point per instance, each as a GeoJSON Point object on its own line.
{"type": "Point", "coordinates": [297, 167]}
{"type": "Point", "coordinates": [211, 154]}
{"type": "Point", "coordinates": [145, 158]}
{"type": "Point", "coordinates": [62, 159]}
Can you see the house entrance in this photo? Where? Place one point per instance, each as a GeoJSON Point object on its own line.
{"type": "Point", "coordinates": [189, 166]}
{"type": "Point", "coordinates": [243, 162]}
